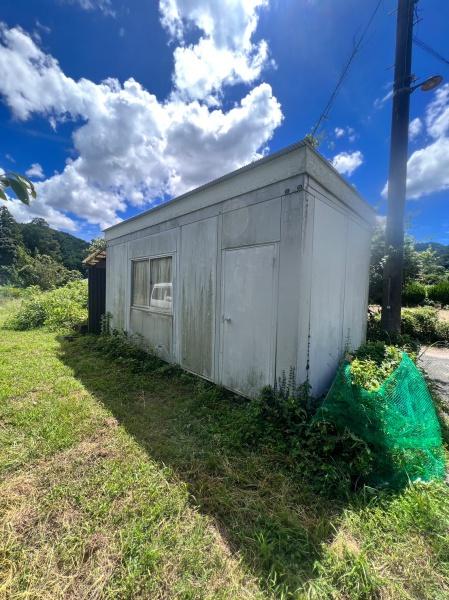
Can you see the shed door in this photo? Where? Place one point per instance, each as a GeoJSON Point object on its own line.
{"type": "Point", "coordinates": [248, 318]}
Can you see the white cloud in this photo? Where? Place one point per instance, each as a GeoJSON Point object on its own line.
{"type": "Point", "coordinates": [35, 171]}
{"type": "Point", "coordinates": [415, 128]}
{"type": "Point", "coordinates": [380, 102]}
{"type": "Point", "coordinates": [41, 27]}
{"type": "Point", "coordinates": [230, 23]}
{"type": "Point", "coordinates": [224, 52]}
{"type": "Point", "coordinates": [54, 217]}
{"type": "Point", "coordinates": [130, 148]}
{"type": "Point", "coordinates": [104, 6]}
{"type": "Point", "coordinates": [428, 167]}
{"type": "Point", "coordinates": [352, 135]}
{"type": "Point", "coordinates": [346, 163]}
{"type": "Point", "coordinates": [437, 114]}
{"type": "Point", "coordinates": [348, 132]}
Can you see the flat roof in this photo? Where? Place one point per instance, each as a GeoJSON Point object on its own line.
{"type": "Point", "coordinates": [228, 176]}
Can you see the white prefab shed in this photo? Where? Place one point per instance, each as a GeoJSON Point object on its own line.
{"type": "Point", "coordinates": [260, 270]}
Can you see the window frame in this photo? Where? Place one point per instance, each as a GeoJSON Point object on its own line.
{"type": "Point", "coordinates": [147, 307]}
{"type": "Point", "coordinates": [133, 262]}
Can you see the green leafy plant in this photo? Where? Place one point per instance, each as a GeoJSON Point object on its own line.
{"type": "Point", "coordinates": [431, 270]}
{"type": "Point", "coordinates": [374, 362]}
{"type": "Point", "coordinates": [426, 264]}
{"type": "Point", "coordinates": [46, 273]}
{"type": "Point", "coordinates": [419, 325]}
{"type": "Point", "coordinates": [105, 323]}
{"type": "Point", "coordinates": [424, 324]}
{"type": "Point", "coordinates": [22, 187]}
{"type": "Point", "coordinates": [414, 293]}
{"type": "Point", "coordinates": [282, 418]}
{"type": "Point", "coordinates": [96, 244]}
{"type": "Point", "coordinates": [63, 308]}
{"type": "Point", "coordinates": [130, 350]}
{"type": "Point", "coordinates": [440, 293]}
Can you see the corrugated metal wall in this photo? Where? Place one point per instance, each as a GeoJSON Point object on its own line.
{"type": "Point", "coordinates": [97, 296]}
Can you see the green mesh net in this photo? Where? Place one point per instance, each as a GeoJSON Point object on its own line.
{"type": "Point", "coordinates": [398, 421]}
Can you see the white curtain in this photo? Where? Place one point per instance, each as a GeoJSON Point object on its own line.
{"type": "Point", "coordinates": [140, 289]}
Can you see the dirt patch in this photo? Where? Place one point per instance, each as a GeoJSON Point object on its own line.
{"type": "Point", "coordinates": [443, 315]}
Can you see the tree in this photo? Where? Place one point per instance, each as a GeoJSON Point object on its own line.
{"type": "Point", "coordinates": [431, 270]}
{"type": "Point", "coordinates": [412, 265]}
{"type": "Point", "coordinates": [73, 250]}
{"type": "Point", "coordinates": [10, 244]}
{"type": "Point", "coordinates": [39, 238]}
{"type": "Point", "coordinates": [22, 187]}
{"type": "Point", "coordinates": [96, 244]}
{"type": "Point", "coordinates": [45, 272]}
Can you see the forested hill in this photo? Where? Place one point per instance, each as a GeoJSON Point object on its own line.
{"type": "Point", "coordinates": [67, 249]}
{"type": "Point", "coordinates": [35, 254]}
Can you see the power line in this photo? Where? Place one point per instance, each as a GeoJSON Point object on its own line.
{"type": "Point", "coordinates": [324, 115]}
{"type": "Point", "coordinates": [430, 50]}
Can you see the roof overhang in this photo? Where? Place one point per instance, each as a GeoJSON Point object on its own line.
{"type": "Point", "coordinates": [96, 257]}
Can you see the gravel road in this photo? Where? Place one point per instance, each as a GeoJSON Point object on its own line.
{"type": "Point", "coordinates": [435, 361]}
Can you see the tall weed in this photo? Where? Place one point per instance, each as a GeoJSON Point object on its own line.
{"type": "Point", "coordinates": [64, 308]}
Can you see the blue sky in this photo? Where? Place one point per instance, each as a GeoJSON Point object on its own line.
{"type": "Point", "coordinates": [196, 88]}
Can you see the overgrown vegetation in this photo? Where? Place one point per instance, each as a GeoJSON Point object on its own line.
{"type": "Point", "coordinates": [414, 293]}
{"type": "Point", "coordinates": [122, 477]}
{"type": "Point", "coordinates": [418, 325]}
{"type": "Point", "coordinates": [64, 308]}
{"type": "Point", "coordinates": [373, 363]}
{"type": "Point", "coordinates": [440, 293]}
{"type": "Point", "coordinates": [424, 324]}
{"type": "Point", "coordinates": [426, 271]}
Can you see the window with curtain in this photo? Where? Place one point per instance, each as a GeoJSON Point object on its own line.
{"type": "Point", "coordinates": [140, 283]}
{"type": "Point", "coordinates": [152, 285]}
{"type": "Point", "coordinates": [161, 285]}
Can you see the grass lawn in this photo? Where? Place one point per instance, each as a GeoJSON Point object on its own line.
{"type": "Point", "coordinates": [116, 484]}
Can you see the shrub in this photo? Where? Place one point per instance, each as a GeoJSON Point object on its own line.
{"type": "Point", "coordinates": [9, 292]}
{"type": "Point", "coordinates": [62, 308]}
{"type": "Point", "coordinates": [443, 331]}
{"type": "Point", "coordinates": [440, 293]}
{"type": "Point", "coordinates": [414, 293]}
{"type": "Point", "coordinates": [45, 272]}
{"type": "Point", "coordinates": [421, 323]}
{"type": "Point", "coordinates": [375, 333]}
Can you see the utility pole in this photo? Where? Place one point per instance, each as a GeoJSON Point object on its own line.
{"type": "Point", "coordinates": [397, 178]}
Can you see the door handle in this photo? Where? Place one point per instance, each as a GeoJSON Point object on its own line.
{"type": "Point", "coordinates": [226, 319]}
